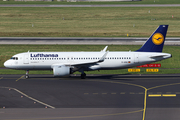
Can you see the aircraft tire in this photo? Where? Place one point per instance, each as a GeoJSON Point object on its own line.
{"type": "Point", "coordinates": [83, 76]}
{"type": "Point", "coordinates": [27, 76]}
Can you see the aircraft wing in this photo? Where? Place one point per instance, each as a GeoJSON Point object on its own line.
{"type": "Point", "coordinates": [84, 63]}
{"type": "Point", "coordinates": [88, 63]}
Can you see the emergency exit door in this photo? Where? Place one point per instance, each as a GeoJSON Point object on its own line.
{"type": "Point", "coordinates": [26, 59]}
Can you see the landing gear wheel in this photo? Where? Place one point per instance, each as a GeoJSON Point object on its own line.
{"type": "Point", "coordinates": [83, 76]}
{"type": "Point", "coordinates": [27, 76]}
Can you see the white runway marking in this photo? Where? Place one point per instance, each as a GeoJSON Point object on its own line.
{"type": "Point", "coordinates": [29, 97]}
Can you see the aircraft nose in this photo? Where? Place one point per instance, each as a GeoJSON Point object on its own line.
{"type": "Point", "coordinates": [7, 64]}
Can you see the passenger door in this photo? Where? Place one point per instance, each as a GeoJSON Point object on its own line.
{"type": "Point", "coordinates": [136, 58]}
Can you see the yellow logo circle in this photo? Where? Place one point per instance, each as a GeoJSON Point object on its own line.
{"type": "Point", "coordinates": [158, 39]}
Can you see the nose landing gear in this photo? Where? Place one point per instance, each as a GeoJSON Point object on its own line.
{"type": "Point", "coordinates": [27, 74]}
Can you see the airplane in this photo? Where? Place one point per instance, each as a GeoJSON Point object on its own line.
{"type": "Point", "coordinates": [66, 63]}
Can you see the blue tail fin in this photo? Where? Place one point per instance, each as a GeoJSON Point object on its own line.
{"type": "Point", "coordinates": [156, 42]}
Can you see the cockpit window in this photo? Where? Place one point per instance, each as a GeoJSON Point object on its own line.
{"type": "Point", "coordinates": [14, 58]}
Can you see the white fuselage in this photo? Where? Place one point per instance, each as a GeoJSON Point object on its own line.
{"type": "Point", "coordinates": [113, 60]}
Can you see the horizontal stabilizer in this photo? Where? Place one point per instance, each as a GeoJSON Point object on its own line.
{"type": "Point", "coordinates": [163, 55]}
{"type": "Point", "coordinates": [157, 56]}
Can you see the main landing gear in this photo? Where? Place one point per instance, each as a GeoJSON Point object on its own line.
{"type": "Point", "coordinates": [83, 76]}
{"type": "Point", "coordinates": [27, 74]}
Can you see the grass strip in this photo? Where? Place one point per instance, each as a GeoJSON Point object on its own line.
{"type": "Point", "coordinates": [87, 22]}
{"type": "Point", "coordinates": [93, 3]}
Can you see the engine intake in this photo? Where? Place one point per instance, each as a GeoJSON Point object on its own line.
{"type": "Point", "coordinates": [61, 70]}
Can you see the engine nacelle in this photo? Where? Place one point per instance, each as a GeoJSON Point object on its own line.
{"type": "Point", "coordinates": [61, 70]}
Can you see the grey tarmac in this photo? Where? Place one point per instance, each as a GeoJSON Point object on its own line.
{"type": "Point", "coordinates": [130, 97]}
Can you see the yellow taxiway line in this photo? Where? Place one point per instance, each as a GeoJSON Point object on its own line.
{"type": "Point", "coordinates": [162, 95]}
{"type": "Point", "coordinates": [169, 95]}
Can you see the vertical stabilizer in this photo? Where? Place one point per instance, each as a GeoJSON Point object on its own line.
{"type": "Point", "coordinates": [156, 42]}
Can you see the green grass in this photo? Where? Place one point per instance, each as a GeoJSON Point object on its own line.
{"type": "Point", "coordinates": [87, 22]}
{"type": "Point", "coordinates": [168, 65]}
{"type": "Point", "coordinates": [96, 3]}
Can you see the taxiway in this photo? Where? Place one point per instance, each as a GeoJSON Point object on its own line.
{"type": "Point", "coordinates": [130, 97]}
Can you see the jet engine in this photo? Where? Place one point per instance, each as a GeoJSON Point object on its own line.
{"type": "Point", "coordinates": [61, 70]}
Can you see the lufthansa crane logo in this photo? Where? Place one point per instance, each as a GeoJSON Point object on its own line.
{"type": "Point", "coordinates": [158, 38]}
